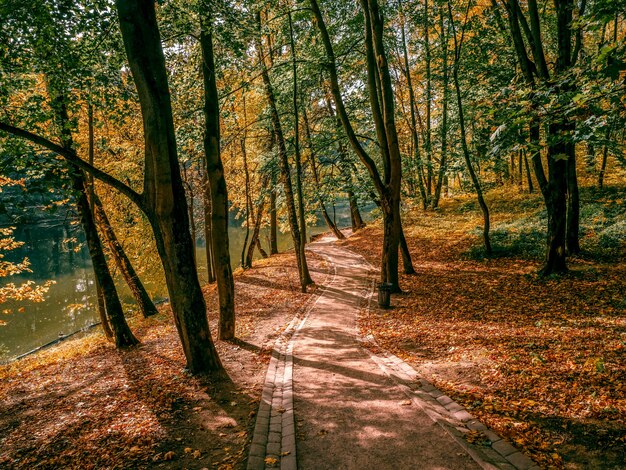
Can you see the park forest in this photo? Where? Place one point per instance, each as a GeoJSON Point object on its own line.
{"type": "Point", "coordinates": [362, 214]}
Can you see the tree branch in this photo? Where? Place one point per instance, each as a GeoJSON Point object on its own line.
{"type": "Point", "coordinates": [70, 156]}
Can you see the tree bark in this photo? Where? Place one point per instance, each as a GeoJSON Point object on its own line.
{"type": "Point", "coordinates": [146, 306]}
{"type": "Point", "coordinates": [355, 215]}
{"type": "Point", "coordinates": [254, 241]}
{"type": "Point", "coordinates": [164, 195]}
{"type": "Point", "coordinates": [605, 156]}
{"type": "Point", "coordinates": [413, 109]}
{"type": "Point", "coordinates": [388, 188]}
{"type": "Point", "coordinates": [273, 220]}
{"type": "Point", "coordinates": [407, 263]}
{"type": "Point", "coordinates": [217, 184]}
{"type": "Point", "coordinates": [429, 151]}
{"type": "Point", "coordinates": [284, 164]}
{"type": "Point", "coordinates": [573, 204]}
{"type": "Point", "coordinates": [528, 175]}
{"type": "Point", "coordinates": [100, 304]}
{"type": "Point", "coordinates": [122, 335]}
{"type": "Point", "coordinates": [298, 157]}
{"type": "Point", "coordinates": [208, 233]}
{"type": "Point", "coordinates": [466, 155]}
{"type": "Point", "coordinates": [102, 311]}
{"type": "Point", "coordinates": [248, 200]}
{"type": "Point", "coordinates": [443, 163]}
{"type": "Point", "coordinates": [312, 157]}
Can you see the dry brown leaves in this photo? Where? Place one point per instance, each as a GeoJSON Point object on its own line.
{"type": "Point", "coordinates": [540, 361]}
{"type": "Point", "coordinates": [86, 405]}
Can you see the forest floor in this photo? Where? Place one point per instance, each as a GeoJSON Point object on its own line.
{"type": "Point", "coordinates": [82, 404]}
{"type": "Point", "coordinates": [540, 361]}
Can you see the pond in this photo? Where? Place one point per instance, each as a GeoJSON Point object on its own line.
{"type": "Point", "coordinates": [69, 305]}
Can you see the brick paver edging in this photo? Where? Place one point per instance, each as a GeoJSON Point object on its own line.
{"type": "Point", "coordinates": [450, 415]}
{"type": "Point", "coordinates": [274, 438]}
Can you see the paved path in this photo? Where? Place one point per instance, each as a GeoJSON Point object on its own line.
{"type": "Point", "coordinates": [355, 409]}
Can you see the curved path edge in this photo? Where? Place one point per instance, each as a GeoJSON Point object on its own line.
{"type": "Point", "coordinates": [450, 415]}
{"type": "Point", "coordinates": [274, 437]}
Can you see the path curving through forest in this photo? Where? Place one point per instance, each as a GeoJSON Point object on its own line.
{"type": "Point", "coordinates": [354, 408]}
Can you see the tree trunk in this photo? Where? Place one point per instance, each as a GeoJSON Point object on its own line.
{"type": "Point", "coordinates": [298, 158]}
{"type": "Point", "coordinates": [355, 214]}
{"type": "Point", "coordinates": [190, 205]}
{"type": "Point", "coordinates": [554, 187]}
{"type": "Point", "coordinates": [100, 304]}
{"type": "Point", "coordinates": [413, 108]}
{"type": "Point", "coordinates": [556, 205]}
{"type": "Point", "coordinates": [407, 263]}
{"type": "Point", "coordinates": [102, 311]}
{"type": "Point", "coordinates": [429, 157]}
{"type": "Point", "coordinates": [443, 163]}
{"type": "Point", "coordinates": [284, 165]}
{"type": "Point", "coordinates": [394, 177]}
{"type": "Point", "coordinates": [520, 171]}
{"type": "Point", "coordinates": [528, 175]}
{"type": "Point", "coordinates": [388, 187]}
{"type": "Point", "coordinates": [255, 242]}
{"type": "Point", "coordinates": [146, 306]}
{"type": "Point", "coordinates": [312, 157]}
{"type": "Point", "coordinates": [122, 334]}
{"type": "Point", "coordinates": [573, 203]}
{"type": "Point", "coordinates": [273, 220]}
{"type": "Point", "coordinates": [248, 200]}
{"type": "Point", "coordinates": [208, 233]}
{"type": "Point", "coordinates": [217, 184]}
{"type": "Point", "coordinates": [605, 156]}
{"type": "Point", "coordinates": [164, 196]}
{"type": "Point", "coordinates": [466, 154]}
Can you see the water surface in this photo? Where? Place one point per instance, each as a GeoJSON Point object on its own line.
{"type": "Point", "coordinates": [56, 252]}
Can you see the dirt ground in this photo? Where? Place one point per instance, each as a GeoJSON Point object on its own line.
{"type": "Point", "coordinates": [85, 405]}
{"type": "Point", "coordinates": [541, 361]}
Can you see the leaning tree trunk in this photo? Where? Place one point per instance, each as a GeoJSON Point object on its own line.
{"type": "Point", "coordinates": [247, 197]}
{"type": "Point", "coordinates": [164, 195]}
{"type": "Point", "coordinates": [217, 183]}
{"type": "Point", "coordinates": [102, 311]}
{"type": "Point", "coordinates": [146, 306]}
{"type": "Point", "coordinates": [407, 263]}
{"type": "Point", "coordinates": [298, 157]}
{"type": "Point", "coordinates": [122, 334]}
{"type": "Point", "coordinates": [466, 155]}
{"type": "Point", "coordinates": [413, 108]}
{"type": "Point", "coordinates": [208, 234]}
{"type": "Point", "coordinates": [284, 167]}
{"type": "Point", "coordinates": [528, 175]}
{"type": "Point", "coordinates": [377, 63]}
{"type": "Point", "coordinates": [443, 162]}
{"type": "Point", "coordinates": [273, 220]}
{"type": "Point", "coordinates": [106, 327]}
{"type": "Point", "coordinates": [254, 241]}
{"type": "Point", "coordinates": [331, 225]}
{"type": "Point", "coordinates": [429, 145]}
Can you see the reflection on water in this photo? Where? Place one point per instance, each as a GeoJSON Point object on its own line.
{"type": "Point", "coordinates": [56, 252]}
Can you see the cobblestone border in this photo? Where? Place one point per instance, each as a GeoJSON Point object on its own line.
{"type": "Point", "coordinates": [450, 415]}
{"type": "Point", "coordinates": [274, 437]}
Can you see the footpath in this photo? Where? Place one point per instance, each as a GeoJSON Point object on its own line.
{"type": "Point", "coordinates": [330, 402]}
